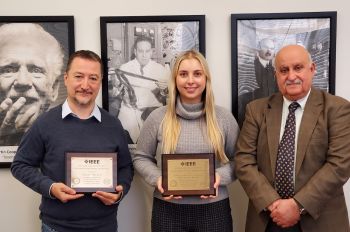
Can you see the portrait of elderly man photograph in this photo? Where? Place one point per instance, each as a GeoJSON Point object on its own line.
{"type": "Point", "coordinates": [31, 62]}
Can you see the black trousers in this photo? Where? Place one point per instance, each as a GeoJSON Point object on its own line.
{"type": "Point", "coordinates": [171, 217]}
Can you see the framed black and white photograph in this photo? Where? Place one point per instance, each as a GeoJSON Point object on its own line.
{"type": "Point", "coordinates": [256, 38]}
{"type": "Point", "coordinates": [33, 53]}
{"type": "Point", "coordinates": [138, 52]}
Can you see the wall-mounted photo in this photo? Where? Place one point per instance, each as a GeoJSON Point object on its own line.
{"type": "Point", "coordinates": [33, 51]}
{"type": "Point", "coordinates": [138, 52]}
{"type": "Point", "coordinates": [256, 38]}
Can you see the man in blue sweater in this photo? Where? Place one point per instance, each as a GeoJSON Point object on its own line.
{"type": "Point", "coordinates": [78, 125]}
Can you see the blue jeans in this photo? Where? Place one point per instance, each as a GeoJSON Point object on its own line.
{"type": "Point", "coordinates": [46, 228]}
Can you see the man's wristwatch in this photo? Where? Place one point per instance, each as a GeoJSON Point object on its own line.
{"type": "Point", "coordinates": [302, 211]}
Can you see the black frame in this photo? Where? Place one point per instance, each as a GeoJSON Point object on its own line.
{"type": "Point", "coordinates": [54, 29]}
{"type": "Point", "coordinates": [142, 19]}
{"type": "Point", "coordinates": [275, 19]}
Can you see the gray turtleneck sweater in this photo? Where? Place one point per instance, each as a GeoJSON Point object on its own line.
{"type": "Point", "coordinates": [192, 139]}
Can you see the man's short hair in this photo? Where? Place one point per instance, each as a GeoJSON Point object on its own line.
{"type": "Point", "coordinates": [84, 54]}
{"type": "Point", "coordinates": [262, 42]}
{"type": "Point", "coordinates": [53, 51]}
{"type": "Point", "coordinates": [141, 39]}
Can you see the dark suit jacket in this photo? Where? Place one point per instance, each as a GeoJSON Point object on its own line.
{"type": "Point", "coordinates": [265, 78]}
{"type": "Point", "coordinates": [322, 160]}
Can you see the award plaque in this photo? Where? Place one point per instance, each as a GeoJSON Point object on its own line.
{"type": "Point", "coordinates": [188, 174]}
{"type": "Point", "coordinates": [91, 172]}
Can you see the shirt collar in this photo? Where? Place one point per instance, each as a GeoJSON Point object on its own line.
{"type": "Point", "coordinates": [66, 110]}
{"type": "Point", "coordinates": [301, 101]}
{"type": "Point", "coordinates": [263, 62]}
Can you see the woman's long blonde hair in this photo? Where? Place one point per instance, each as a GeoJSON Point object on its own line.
{"type": "Point", "coordinates": [171, 124]}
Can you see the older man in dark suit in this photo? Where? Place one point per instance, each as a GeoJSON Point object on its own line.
{"type": "Point", "coordinates": [293, 165]}
{"type": "Point", "coordinates": [264, 70]}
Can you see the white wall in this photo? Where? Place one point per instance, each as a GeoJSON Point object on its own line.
{"type": "Point", "coordinates": [19, 205]}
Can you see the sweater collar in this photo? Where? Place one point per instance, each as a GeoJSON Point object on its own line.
{"type": "Point", "coordinates": [189, 111]}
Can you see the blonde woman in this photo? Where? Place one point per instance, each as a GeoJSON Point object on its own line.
{"type": "Point", "coordinates": [190, 123]}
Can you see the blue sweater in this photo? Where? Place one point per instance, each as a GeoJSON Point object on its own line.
{"type": "Point", "coordinates": [43, 148]}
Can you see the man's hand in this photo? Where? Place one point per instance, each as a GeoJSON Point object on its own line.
{"type": "Point", "coordinates": [8, 111]}
{"type": "Point", "coordinates": [64, 193]}
{"type": "Point", "coordinates": [11, 120]}
{"type": "Point", "coordinates": [162, 85]}
{"type": "Point", "coordinates": [273, 206]}
{"type": "Point", "coordinates": [161, 92]}
{"type": "Point", "coordinates": [109, 198]}
{"type": "Point", "coordinates": [26, 119]}
{"type": "Point", "coordinates": [285, 212]}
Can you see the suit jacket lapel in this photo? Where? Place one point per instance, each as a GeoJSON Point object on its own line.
{"type": "Point", "coordinates": [273, 124]}
{"type": "Point", "coordinates": [313, 107]}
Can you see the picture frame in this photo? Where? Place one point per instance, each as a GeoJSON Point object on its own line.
{"type": "Point", "coordinates": [88, 172]}
{"type": "Point", "coordinates": [137, 53]}
{"type": "Point", "coordinates": [39, 47]}
{"type": "Point", "coordinates": [188, 174]}
{"type": "Point", "coordinates": [255, 39]}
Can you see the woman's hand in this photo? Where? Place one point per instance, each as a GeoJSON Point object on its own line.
{"type": "Point", "coordinates": [161, 190]}
{"type": "Point", "coordinates": [216, 186]}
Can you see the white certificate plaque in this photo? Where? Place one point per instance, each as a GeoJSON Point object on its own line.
{"type": "Point", "coordinates": [91, 172]}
